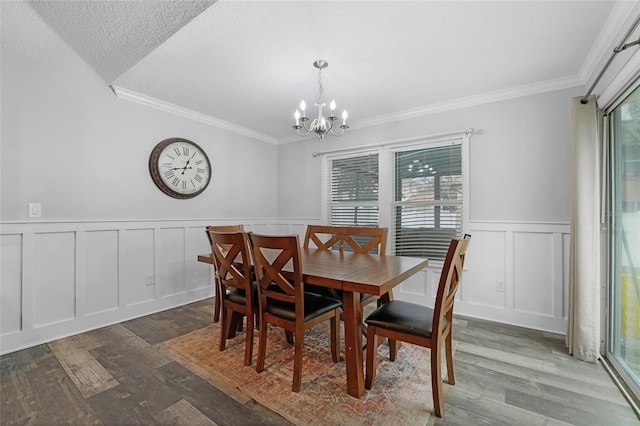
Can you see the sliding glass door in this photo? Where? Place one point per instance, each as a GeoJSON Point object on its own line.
{"type": "Point", "coordinates": [623, 343]}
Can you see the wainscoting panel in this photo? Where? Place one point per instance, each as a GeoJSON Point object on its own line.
{"type": "Point", "coordinates": [484, 272]}
{"type": "Point", "coordinates": [54, 278]}
{"type": "Point", "coordinates": [62, 278]}
{"type": "Point", "coordinates": [101, 271]}
{"type": "Point", "coordinates": [170, 261]}
{"type": "Point", "coordinates": [533, 281]}
{"type": "Point", "coordinates": [137, 260]}
{"type": "Point", "coordinates": [515, 273]}
{"type": "Point", "coordinates": [10, 283]}
{"type": "Point", "coordinates": [198, 275]}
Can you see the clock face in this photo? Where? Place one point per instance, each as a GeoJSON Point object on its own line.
{"type": "Point", "coordinates": [180, 168]}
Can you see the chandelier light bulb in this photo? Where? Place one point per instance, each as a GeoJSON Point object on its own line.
{"type": "Point", "coordinates": [332, 105]}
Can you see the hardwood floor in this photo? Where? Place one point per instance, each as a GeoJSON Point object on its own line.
{"type": "Point", "coordinates": [122, 375]}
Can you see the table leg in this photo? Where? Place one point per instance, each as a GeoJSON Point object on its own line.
{"type": "Point", "coordinates": [353, 343]}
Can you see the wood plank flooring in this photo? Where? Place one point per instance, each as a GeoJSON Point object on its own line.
{"type": "Point", "coordinates": [122, 375]}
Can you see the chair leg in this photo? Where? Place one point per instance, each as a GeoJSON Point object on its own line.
{"type": "Point", "coordinates": [297, 360]}
{"type": "Point", "coordinates": [262, 346]}
{"type": "Point", "coordinates": [436, 380]}
{"type": "Point", "coordinates": [233, 319]}
{"type": "Point", "coordinates": [289, 336]}
{"type": "Point", "coordinates": [449, 355]}
{"type": "Point", "coordinates": [335, 337]}
{"type": "Point", "coordinates": [224, 332]}
{"type": "Point", "coordinates": [394, 345]}
{"type": "Point", "coordinates": [248, 344]}
{"type": "Point", "coordinates": [372, 357]}
{"type": "Point", "coordinates": [216, 304]}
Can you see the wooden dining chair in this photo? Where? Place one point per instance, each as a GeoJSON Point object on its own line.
{"type": "Point", "coordinates": [220, 228]}
{"type": "Point", "coordinates": [231, 254]}
{"type": "Point", "coordinates": [283, 302]}
{"type": "Point", "coordinates": [420, 325]}
{"type": "Point", "coordinates": [357, 239]}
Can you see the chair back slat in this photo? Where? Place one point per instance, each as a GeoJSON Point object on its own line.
{"type": "Point", "coordinates": [271, 254]}
{"type": "Point", "coordinates": [358, 239]}
{"type": "Point", "coordinates": [450, 280]}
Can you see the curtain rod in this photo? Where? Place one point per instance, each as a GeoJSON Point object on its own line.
{"type": "Point", "coordinates": [469, 132]}
{"type": "Point", "coordinates": [622, 46]}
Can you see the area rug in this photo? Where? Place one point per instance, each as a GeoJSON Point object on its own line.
{"type": "Point", "coordinates": [401, 393]}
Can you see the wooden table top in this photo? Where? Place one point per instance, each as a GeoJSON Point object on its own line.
{"type": "Point", "coordinates": [363, 273]}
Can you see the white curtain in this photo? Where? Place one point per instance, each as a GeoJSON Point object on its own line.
{"type": "Point", "coordinates": [583, 334]}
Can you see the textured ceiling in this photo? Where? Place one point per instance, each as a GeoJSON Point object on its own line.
{"type": "Point", "coordinates": [247, 64]}
{"type": "Point", "coordinates": [112, 36]}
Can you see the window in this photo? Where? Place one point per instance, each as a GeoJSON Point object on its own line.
{"type": "Point", "coordinates": [354, 191]}
{"type": "Point", "coordinates": [427, 208]}
{"type": "Point", "coordinates": [417, 188]}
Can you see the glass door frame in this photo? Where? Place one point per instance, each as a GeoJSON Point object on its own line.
{"type": "Point", "coordinates": [618, 371]}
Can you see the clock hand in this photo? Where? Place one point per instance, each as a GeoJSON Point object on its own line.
{"type": "Point", "coordinates": [186, 166]}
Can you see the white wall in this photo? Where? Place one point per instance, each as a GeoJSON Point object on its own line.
{"type": "Point", "coordinates": [69, 143]}
{"type": "Point", "coordinates": [520, 163]}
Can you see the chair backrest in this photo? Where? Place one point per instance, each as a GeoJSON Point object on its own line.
{"type": "Point", "coordinates": [359, 239]}
{"type": "Point", "coordinates": [271, 254]}
{"type": "Point", "coordinates": [230, 253]}
{"type": "Point", "coordinates": [224, 228]}
{"type": "Point", "coordinates": [449, 282]}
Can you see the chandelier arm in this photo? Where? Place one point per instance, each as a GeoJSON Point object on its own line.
{"type": "Point", "coordinates": [302, 133]}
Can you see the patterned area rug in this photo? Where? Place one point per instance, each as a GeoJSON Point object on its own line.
{"type": "Point", "coordinates": [401, 393]}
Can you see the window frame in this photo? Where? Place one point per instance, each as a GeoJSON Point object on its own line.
{"type": "Point", "coordinates": [386, 176]}
{"type": "Point", "coordinates": [327, 202]}
{"type": "Point", "coordinates": [463, 203]}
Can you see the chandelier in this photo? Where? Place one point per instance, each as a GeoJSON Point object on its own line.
{"type": "Point", "coordinates": [319, 125]}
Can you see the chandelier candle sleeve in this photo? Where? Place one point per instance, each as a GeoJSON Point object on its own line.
{"type": "Point", "coordinates": [321, 125]}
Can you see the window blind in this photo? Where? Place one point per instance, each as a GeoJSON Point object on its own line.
{"type": "Point", "coordinates": [427, 207]}
{"type": "Point", "coordinates": [354, 191]}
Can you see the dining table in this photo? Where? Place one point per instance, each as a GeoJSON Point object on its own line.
{"type": "Point", "coordinates": [353, 274]}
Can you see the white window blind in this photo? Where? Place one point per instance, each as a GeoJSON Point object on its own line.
{"type": "Point", "coordinates": [427, 209]}
{"type": "Point", "coordinates": [353, 193]}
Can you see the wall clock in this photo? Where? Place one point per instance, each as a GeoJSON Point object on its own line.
{"type": "Point", "coordinates": [180, 168]}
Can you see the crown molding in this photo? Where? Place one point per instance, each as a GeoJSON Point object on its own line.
{"type": "Point", "coordinates": [614, 27]}
{"type": "Point", "coordinates": [485, 98]}
{"type": "Point", "coordinates": [139, 98]}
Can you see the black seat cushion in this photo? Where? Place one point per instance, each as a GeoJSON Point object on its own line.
{"type": "Point", "coordinates": [403, 317]}
{"type": "Point", "coordinates": [314, 305]}
{"type": "Point", "coordinates": [238, 295]}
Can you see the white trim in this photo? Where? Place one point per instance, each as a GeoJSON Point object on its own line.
{"type": "Point", "coordinates": [601, 48]}
{"type": "Point", "coordinates": [620, 83]}
{"type": "Point", "coordinates": [139, 98]}
{"type": "Point", "coordinates": [485, 98]}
